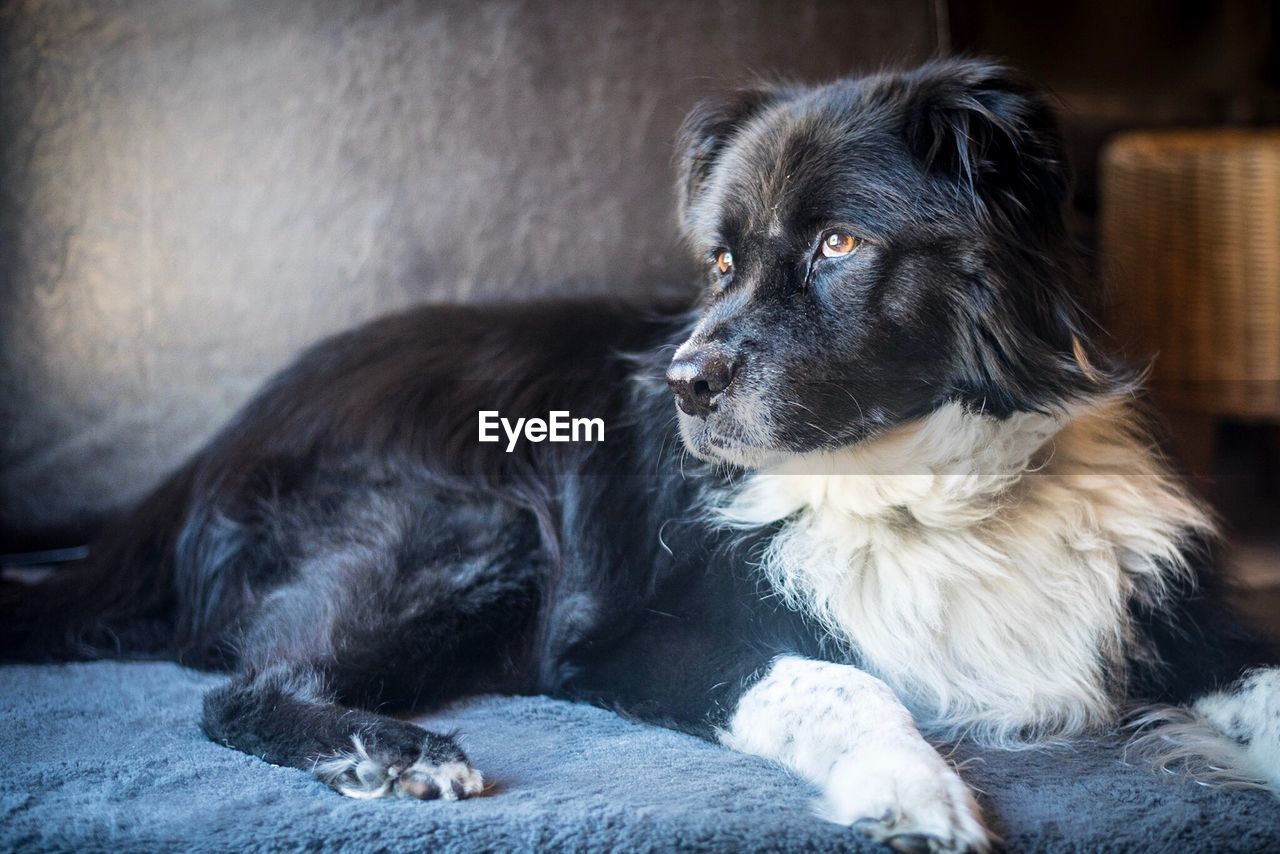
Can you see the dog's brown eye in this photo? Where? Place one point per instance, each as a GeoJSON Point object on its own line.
{"type": "Point", "coordinates": [724, 261]}
{"type": "Point", "coordinates": [838, 243]}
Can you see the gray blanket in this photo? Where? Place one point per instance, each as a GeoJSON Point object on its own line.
{"type": "Point", "coordinates": [108, 757]}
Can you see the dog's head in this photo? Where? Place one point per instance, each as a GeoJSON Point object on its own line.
{"type": "Point", "coordinates": [874, 248]}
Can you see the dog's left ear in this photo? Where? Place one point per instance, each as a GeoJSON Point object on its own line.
{"type": "Point", "coordinates": [984, 127]}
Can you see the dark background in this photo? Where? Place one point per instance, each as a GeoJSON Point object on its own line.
{"type": "Point", "coordinates": [190, 192]}
{"type": "Point", "coordinates": [1123, 65]}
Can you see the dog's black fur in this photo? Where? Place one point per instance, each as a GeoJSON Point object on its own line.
{"type": "Point", "coordinates": [346, 543]}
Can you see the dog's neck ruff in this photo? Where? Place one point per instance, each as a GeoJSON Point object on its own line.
{"type": "Point", "coordinates": [981, 566]}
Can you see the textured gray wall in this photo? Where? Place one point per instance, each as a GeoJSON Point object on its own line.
{"type": "Point", "coordinates": [190, 191]}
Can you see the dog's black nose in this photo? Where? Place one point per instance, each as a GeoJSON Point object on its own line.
{"type": "Point", "coordinates": [699, 379]}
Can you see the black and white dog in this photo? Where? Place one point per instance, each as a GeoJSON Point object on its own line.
{"type": "Point", "coordinates": [914, 502]}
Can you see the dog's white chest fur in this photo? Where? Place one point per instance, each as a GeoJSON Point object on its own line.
{"type": "Point", "coordinates": [981, 567]}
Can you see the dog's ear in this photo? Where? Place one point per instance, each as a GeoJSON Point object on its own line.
{"type": "Point", "coordinates": [704, 134]}
{"type": "Point", "coordinates": [983, 127]}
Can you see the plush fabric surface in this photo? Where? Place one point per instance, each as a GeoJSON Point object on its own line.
{"type": "Point", "coordinates": [108, 757]}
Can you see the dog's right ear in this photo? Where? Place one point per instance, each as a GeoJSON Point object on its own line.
{"type": "Point", "coordinates": [994, 135]}
{"type": "Point", "coordinates": [702, 139]}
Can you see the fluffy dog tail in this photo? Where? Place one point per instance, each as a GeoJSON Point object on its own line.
{"type": "Point", "coordinates": [118, 602]}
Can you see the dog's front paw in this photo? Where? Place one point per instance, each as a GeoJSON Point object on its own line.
{"type": "Point", "coordinates": [912, 801]}
{"type": "Point", "coordinates": [437, 769]}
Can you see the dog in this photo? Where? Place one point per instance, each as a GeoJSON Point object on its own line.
{"type": "Point", "coordinates": [878, 489]}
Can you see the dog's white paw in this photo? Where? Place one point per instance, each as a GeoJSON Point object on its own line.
{"type": "Point", "coordinates": [451, 781]}
{"type": "Point", "coordinates": [912, 801]}
{"type": "Point", "coordinates": [360, 773]}
{"type": "Point", "coordinates": [1247, 713]}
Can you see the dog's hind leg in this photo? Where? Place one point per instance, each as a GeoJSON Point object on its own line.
{"type": "Point", "coordinates": [1248, 713]}
{"type": "Point", "coordinates": [290, 717]}
{"type": "Point", "coordinates": [1208, 688]}
{"type": "Point", "coordinates": [291, 706]}
{"type": "Point", "coordinates": [395, 616]}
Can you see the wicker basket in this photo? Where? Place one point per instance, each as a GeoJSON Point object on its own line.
{"type": "Point", "coordinates": [1190, 235]}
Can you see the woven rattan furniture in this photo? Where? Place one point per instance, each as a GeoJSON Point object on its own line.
{"type": "Point", "coordinates": [1190, 235]}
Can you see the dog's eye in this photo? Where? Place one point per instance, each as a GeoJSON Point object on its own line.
{"type": "Point", "coordinates": [837, 244]}
{"type": "Point", "coordinates": [724, 261]}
